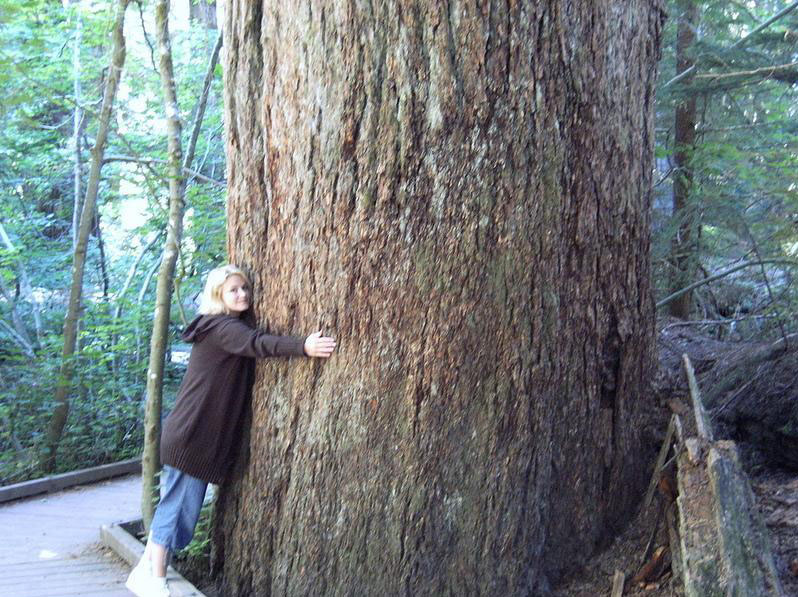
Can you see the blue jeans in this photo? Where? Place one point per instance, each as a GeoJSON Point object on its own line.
{"type": "Point", "coordinates": [178, 511]}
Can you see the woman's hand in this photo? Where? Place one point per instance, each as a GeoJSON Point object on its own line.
{"type": "Point", "coordinates": [319, 346]}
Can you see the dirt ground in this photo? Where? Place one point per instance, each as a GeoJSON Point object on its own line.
{"type": "Point", "coordinates": [776, 492]}
{"type": "Point", "coordinates": [626, 554]}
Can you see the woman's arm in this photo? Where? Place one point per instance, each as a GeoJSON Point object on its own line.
{"type": "Point", "coordinates": [236, 337]}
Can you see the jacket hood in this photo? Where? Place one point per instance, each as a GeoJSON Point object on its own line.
{"type": "Point", "coordinates": [202, 324]}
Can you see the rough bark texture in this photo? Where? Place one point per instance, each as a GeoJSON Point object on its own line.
{"type": "Point", "coordinates": [458, 192]}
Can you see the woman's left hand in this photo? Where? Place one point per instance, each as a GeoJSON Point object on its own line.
{"type": "Point", "coordinates": [319, 346]}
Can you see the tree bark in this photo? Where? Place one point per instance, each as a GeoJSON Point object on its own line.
{"type": "Point", "coordinates": [459, 194]}
{"type": "Point", "coordinates": [61, 410]}
{"type": "Point", "coordinates": [685, 213]}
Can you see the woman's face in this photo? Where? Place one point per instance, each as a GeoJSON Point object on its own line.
{"type": "Point", "coordinates": [235, 294]}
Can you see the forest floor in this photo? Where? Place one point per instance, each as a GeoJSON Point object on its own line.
{"type": "Point", "coordinates": [773, 475]}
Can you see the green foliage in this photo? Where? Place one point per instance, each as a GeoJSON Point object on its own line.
{"type": "Point", "coordinates": [36, 209]}
{"type": "Point", "coordinates": [743, 194]}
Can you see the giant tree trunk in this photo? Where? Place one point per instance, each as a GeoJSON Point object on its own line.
{"type": "Point", "coordinates": [460, 197]}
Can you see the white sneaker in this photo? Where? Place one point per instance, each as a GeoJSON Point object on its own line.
{"type": "Point", "coordinates": [142, 582]}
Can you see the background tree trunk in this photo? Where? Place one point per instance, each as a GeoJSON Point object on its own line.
{"type": "Point", "coordinates": [61, 399]}
{"type": "Point", "coordinates": [684, 250]}
{"type": "Point", "coordinates": [203, 11]}
{"type": "Point", "coordinates": [459, 193]}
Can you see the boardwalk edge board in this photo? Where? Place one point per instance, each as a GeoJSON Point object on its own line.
{"type": "Point", "coordinates": [65, 480]}
{"type": "Point", "coordinates": [117, 538]}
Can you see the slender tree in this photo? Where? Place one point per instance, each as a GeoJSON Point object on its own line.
{"type": "Point", "coordinates": [465, 188]}
{"type": "Point", "coordinates": [165, 284]}
{"type": "Point", "coordinates": [63, 388]}
{"type": "Point", "coordinates": [150, 462]}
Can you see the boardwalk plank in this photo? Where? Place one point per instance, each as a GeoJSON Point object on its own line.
{"type": "Point", "coordinates": [65, 527]}
{"type": "Point", "coordinates": [51, 546]}
{"type": "Point", "coordinates": [67, 568]}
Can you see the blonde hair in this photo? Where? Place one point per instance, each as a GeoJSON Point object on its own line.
{"type": "Point", "coordinates": [211, 300]}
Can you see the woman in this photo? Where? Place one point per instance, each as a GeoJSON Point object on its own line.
{"type": "Point", "coordinates": [199, 435]}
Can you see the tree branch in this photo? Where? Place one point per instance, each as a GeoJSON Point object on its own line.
{"type": "Point", "coordinates": [766, 24]}
{"type": "Point", "coordinates": [19, 339]}
{"type": "Point", "coordinates": [149, 161]}
{"type": "Point", "coordinates": [782, 72]}
{"type": "Point", "coordinates": [130, 275]}
{"type": "Point", "coordinates": [679, 77]}
{"type": "Point", "coordinates": [693, 286]}
{"type": "Point", "coordinates": [739, 43]}
{"type": "Point", "coordinates": [147, 37]}
{"type": "Point", "coordinates": [203, 99]}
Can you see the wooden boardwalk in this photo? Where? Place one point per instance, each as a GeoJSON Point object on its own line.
{"type": "Point", "coordinates": [50, 545]}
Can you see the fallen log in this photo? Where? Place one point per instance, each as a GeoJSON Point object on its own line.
{"type": "Point", "coordinates": [702, 422]}
{"type": "Point", "coordinates": [698, 533]}
{"type": "Point", "coordinates": [673, 539]}
{"type": "Point", "coordinates": [746, 551]}
{"type": "Point", "coordinates": [744, 368]}
{"type": "Point", "coordinates": [724, 545]}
